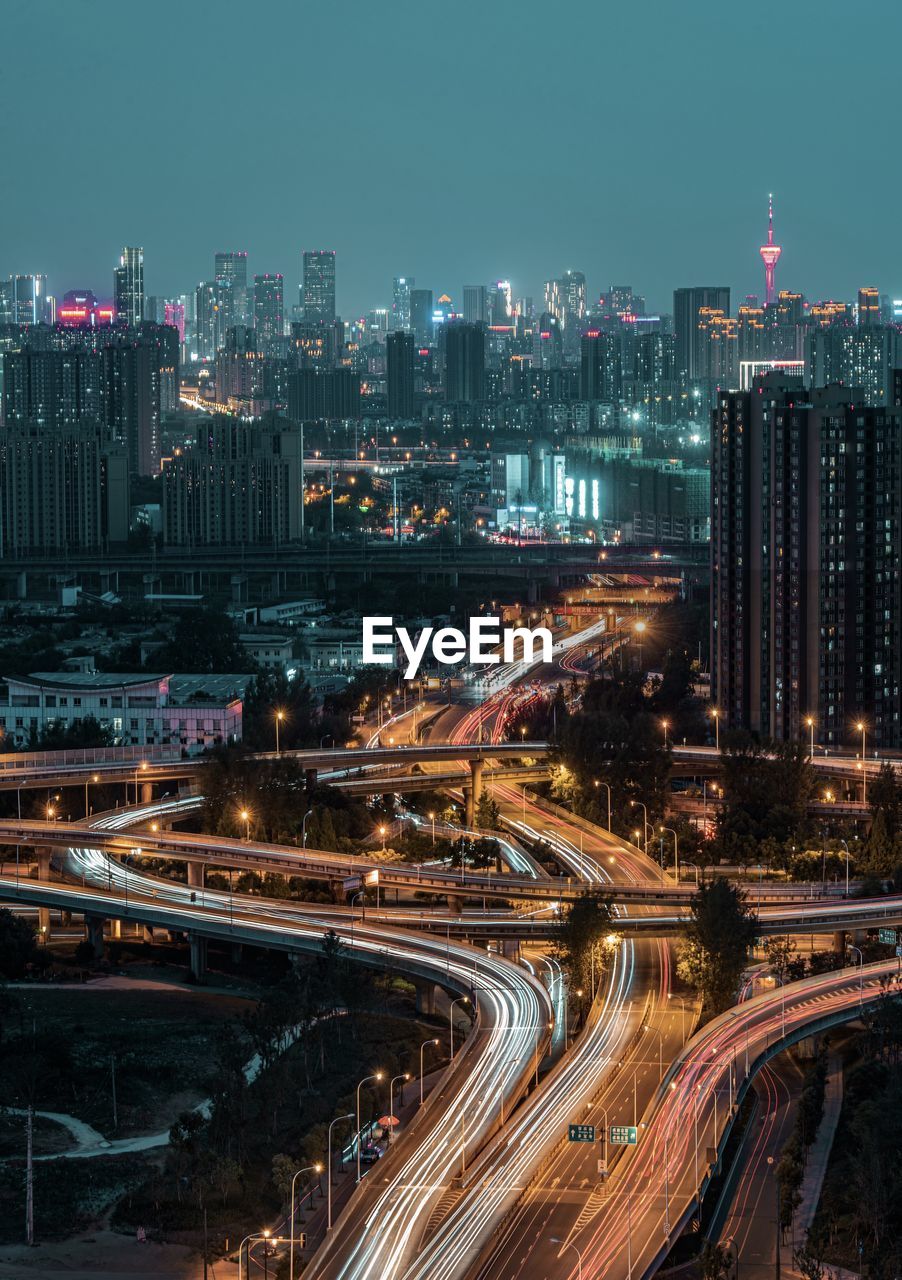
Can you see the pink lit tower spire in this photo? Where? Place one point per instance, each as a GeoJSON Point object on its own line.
{"type": "Point", "coordinates": [770, 252]}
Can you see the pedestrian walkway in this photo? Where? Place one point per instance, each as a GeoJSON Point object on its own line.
{"type": "Point", "coordinates": [818, 1156]}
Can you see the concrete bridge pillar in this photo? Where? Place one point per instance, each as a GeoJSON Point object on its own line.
{"type": "Point", "coordinates": [21, 585]}
{"type": "Point", "coordinates": [109, 581]}
{"type": "Point", "coordinates": [425, 996]}
{"type": "Point", "coordinates": [94, 934]}
{"type": "Point", "coordinates": [455, 903]}
{"type": "Point", "coordinates": [116, 929]}
{"type": "Point", "coordinates": [839, 942]}
{"type": "Point", "coordinates": [146, 792]}
{"type": "Point", "coordinates": [195, 875]}
{"type": "Point", "coordinates": [510, 949]}
{"type": "Point", "coordinates": [198, 946]}
{"type": "Point", "coordinates": [477, 771]}
{"type": "Point", "coordinates": [43, 855]}
{"type": "Point", "coordinates": [236, 951]}
{"type": "Point", "coordinates": [238, 583]}
{"type": "Point", "coordinates": [532, 592]}
{"type": "Point", "coordinates": [469, 807]}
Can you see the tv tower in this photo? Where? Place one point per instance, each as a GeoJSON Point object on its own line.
{"type": "Point", "coordinates": [770, 252]}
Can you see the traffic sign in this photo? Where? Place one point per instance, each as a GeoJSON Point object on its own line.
{"type": "Point", "coordinates": [624, 1135]}
{"type": "Point", "coordinates": [886, 937]}
{"type": "Point", "coordinates": [350, 883]}
{"type": "Point", "coordinates": [602, 1168]}
{"type": "Point", "coordinates": [581, 1133]}
{"type": "Point", "coordinates": [899, 952]}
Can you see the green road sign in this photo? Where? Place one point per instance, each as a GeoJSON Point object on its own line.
{"type": "Point", "coordinates": [887, 937]}
{"type": "Point", "coordinates": [624, 1135]}
{"type": "Point", "coordinates": [581, 1132]}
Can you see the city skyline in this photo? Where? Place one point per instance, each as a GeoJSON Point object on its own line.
{"type": "Point", "coordinates": [395, 184]}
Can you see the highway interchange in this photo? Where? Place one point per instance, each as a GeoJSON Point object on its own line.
{"type": "Point", "coordinates": [484, 1182]}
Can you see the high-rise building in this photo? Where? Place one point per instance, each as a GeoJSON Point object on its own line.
{"type": "Point", "coordinates": [269, 312]}
{"type": "Point", "coordinates": [862, 357]}
{"type": "Point", "coordinates": [29, 299]}
{"type": "Point", "coordinates": [399, 370]}
{"type": "Point", "coordinates": [601, 371]}
{"type": "Point", "coordinates": [174, 315]}
{"type": "Point", "coordinates": [421, 311]}
{"type": "Point", "coordinates": [464, 362]}
{"type": "Point", "coordinates": [806, 600]}
{"type": "Point", "coordinates": [52, 389]}
{"type": "Point", "coordinates": [869, 306]}
{"type": "Point", "coordinates": [475, 304]}
{"type": "Point", "coordinates": [238, 484]}
{"type": "Point", "coordinates": [206, 320]}
{"type": "Point", "coordinates": [319, 286]}
{"type": "Point", "coordinates": [323, 395]}
{"type": "Point", "coordinates": [132, 390]}
{"type": "Point", "coordinates": [230, 277]}
{"type": "Point", "coordinates": [400, 307]}
{"type": "Point", "coordinates": [128, 287]}
{"type": "Point", "coordinates": [61, 489]}
{"type": "Point", "coordinates": [693, 358]}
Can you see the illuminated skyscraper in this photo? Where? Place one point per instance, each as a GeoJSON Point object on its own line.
{"type": "Point", "coordinates": [29, 299]}
{"type": "Point", "coordinates": [691, 340]}
{"type": "Point", "coordinates": [400, 307]}
{"type": "Point", "coordinates": [475, 305]}
{"type": "Point", "coordinates": [868, 306]}
{"type": "Point", "coordinates": [269, 311]}
{"type": "Point", "coordinates": [770, 254]}
{"type": "Point", "coordinates": [319, 286]}
{"type": "Point", "coordinates": [230, 276]}
{"type": "Point", "coordinates": [128, 286]}
{"type": "Point", "coordinates": [421, 314]}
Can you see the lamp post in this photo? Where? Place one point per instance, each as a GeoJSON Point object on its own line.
{"type": "Point", "coordinates": [382, 831]}
{"type": "Point", "coordinates": [607, 787]}
{"type": "Point", "coordinates": [568, 1244]}
{"type": "Point", "coordinates": [432, 820]}
{"type": "Point", "coordinates": [337, 1120]}
{"type": "Point", "coordinates": [644, 822]}
{"type": "Point", "coordinates": [250, 1241]}
{"type": "Point", "coordinates": [639, 629]}
{"type": "Point", "coordinates": [676, 852]}
{"type": "Point", "coordinates": [422, 1048]}
{"type": "Point", "coordinates": [377, 1075]}
{"type": "Point", "coordinates": [246, 819]}
{"type": "Point", "coordinates": [310, 1168]}
{"type": "Point", "coordinates": [459, 1000]}
{"type": "Point", "coordinates": [863, 730]}
{"type": "Point", "coordinates": [860, 974]}
{"type": "Point", "coordinates": [280, 716]}
{"type": "Point", "coordinates": [665, 725]}
{"type": "Point", "coordinates": [809, 720]}
{"type": "Point", "coordinates": [404, 1077]}
{"type": "Point", "coordinates": [304, 829]}
{"type": "Point", "coordinates": [716, 714]}
{"type": "Point", "coordinates": [95, 777]}
{"type": "Point", "coordinates": [848, 855]}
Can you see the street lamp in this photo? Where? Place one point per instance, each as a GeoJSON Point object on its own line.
{"type": "Point", "coordinates": [809, 720]}
{"type": "Point", "coordinates": [95, 777]}
{"type": "Point", "coordinates": [640, 629]}
{"type": "Point", "coordinates": [644, 821]}
{"type": "Point", "coordinates": [280, 716]}
{"type": "Point", "coordinates": [423, 1046]}
{"type": "Point", "coordinates": [304, 829]}
{"type": "Point", "coordinates": [310, 1168]}
{"type": "Point", "coordinates": [246, 819]}
{"type": "Point", "coordinates": [863, 730]}
{"type": "Point", "coordinates": [607, 788]}
{"type": "Point", "coordinates": [337, 1120]}
{"type": "Point", "coordinates": [665, 725]}
{"type": "Point", "coordinates": [382, 831]}
{"type": "Point", "coordinates": [405, 1076]}
{"type": "Point", "coordinates": [432, 820]}
{"type": "Point", "coordinates": [716, 714]}
{"type": "Point", "coordinates": [377, 1075]}
{"type": "Point", "coordinates": [568, 1244]}
{"type": "Point", "coordinates": [860, 974]}
{"type": "Point", "coordinates": [848, 855]}
{"type": "Point", "coordinates": [250, 1241]}
{"type": "Point", "coordinates": [459, 1000]}
{"type": "Point", "coordinates": [676, 852]}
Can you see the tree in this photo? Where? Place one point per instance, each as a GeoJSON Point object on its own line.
{"type": "Point", "coordinates": [782, 958]}
{"type": "Point", "coordinates": [488, 815]}
{"type": "Point", "coordinates": [578, 938]}
{"type": "Point", "coordinates": [17, 944]}
{"type": "Point", "coordinates": [272, 692]}
{"type": "Point", "coordinates": [716, 1261]}
{"type": "Point", "coordinates": [204, 641]}
{"type": "Point", "coordinates": [717, 939]}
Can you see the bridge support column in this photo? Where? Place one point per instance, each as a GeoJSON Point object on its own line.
{"type": "Point", "coordinates": [146, 792]}
{"type": "Point", "coordinates": [425, 1003]}
{"type": "Point", "coordinates": [198, 945]}
{"type": "Point", "coordinates": [839, 942]}
{"type": "Point", "coordinates": [43, 854]}
{"type": "Point", "coordinates": [236, 951]}
{"type": "Point", "coordinates": [116, 929]}
{"type": "Point", "coordinates": [477, 770]}
{"type": "Point", "coordinates": [94, 934]}
{"type": "Point", "coordinates": [238, 582]}
{"type": "Point", "coordinates": [195, 875]}
{"type": "Point", "coordinates": [455, 903]}
{"type": "Point", "coordinates": [469, 807]}
{"type": "Point", "coordinates": [109, 581]}
{"type": "Point", "coordinates": [510, 949]}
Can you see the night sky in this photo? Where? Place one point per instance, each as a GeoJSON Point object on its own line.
{"type": "Point", "coordinates": [457, 142]}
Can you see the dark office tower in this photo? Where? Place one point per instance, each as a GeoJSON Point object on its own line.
{"type": "Point", "coordinates": [421, 315]}
{"type": "Point", "coordinates": [464, 362]}
{"type": "Point", "coordinates": [128, 287]}
{"type": "Point", "coordinates": [323, 394]}
{"type": "Point", "coordinates": [28, 296]}
{"type": "Point", "coordinates": [868, 306]}
{"type": "Point", "coordinates": [230, 276]}
{"type": "Point", "coordinates": [400, 306]}
{"type": "Point", "coordinates": [319, 286]}
{"type": "Point", "coordinates": [805, 601]}
{"type": "Point", "coordinates": [51, 389]}
{"type": "Point", "coordinates": [573, 292]}
{"type": "Point", "coordinates": [475, 304]}
{"type": "Point", "coordinates": [132, 401]}
{"type": "Point", "coordinates": [399, 361]}
{"type": "Point", "coordinates": [600, 367]}
{"type": "Point", "coordinates": [691, 344]}
{"type": "Point", "coordinates": [862, 357]}
{"type": "Point", "coordinates": [269, 312]}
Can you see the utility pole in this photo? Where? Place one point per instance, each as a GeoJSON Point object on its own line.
{"type": "Point", "coordinates": [206, 1244]}
{"type": "Point", "coordinates": [29, 1177]}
